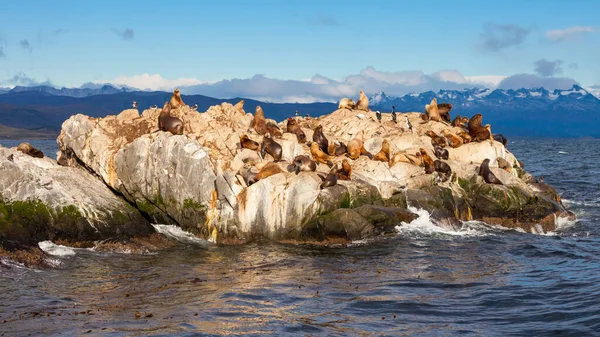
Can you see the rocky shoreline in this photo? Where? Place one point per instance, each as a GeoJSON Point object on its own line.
{"type": "Point", "coordinates": [117, 175]}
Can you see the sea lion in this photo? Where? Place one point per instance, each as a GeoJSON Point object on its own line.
{"type": "Point", "coordinates": [331, 178]}
{"type": "Point", "coordinates": [500, 138]}
{"type": "Point", "coordinates": [345, 172]}
{"type": "Point", "coordinates": [320, 139]}
{"type": "Point", "coordinates": [460, 121]}
{"type": "Point", "coordinates": [340, 148]}
{"type": "Point", "coordinates": [503, 164]}
{"type": "Point", "coordinates": [168, 123]}
{"type": "Point", "coordinates": [356, 147]}
{"type": "Point", "coordinates": [440, 152]}
{"type": "Point", "coordinates": [403, 157]}
{"type": "Point", "coordinates": [346, 103]}
{"type": "Point", "coordinates": [247, 174]}
{"type": "Point", "coordinates": [486, 173]}
{"type": "Point", "coordinates": [239, 106]}
{"type": "Point", "coordinates": [304, 163]}
{"type": "Point", "coordinates": [271, 147]}
{"type": "Point", "coordinates": [437, 140]}
{"type": "Point", "coordinates": [268, 170]}
{"type": "Point", "coordinates": [444, 111]}
{"type": "Point", "coordinates": [384, 154]}
{"type": "Point", "coordinates": [28, 149]}
{"type": "Point", "coordinates": [247, 143]}
{"type": "Point", "coordinates": [444, 170]}
{"type": "Point", "coordinates": [363, 102]}
{"type": "Point", "coordinates": [427, 161]}
{"type": "Point", "coordinates": [478, 132]}
{"type": "Point", "coordinates": [293, 127]}
{"type": "Point", "coordinates": [261, 125]}
{"type": "Point", "coordinates": [432, 111]}
{"type": "Point", "coordinates": [319, 155]}
{"type": "Point", "coordinates": [453, 140]}
{"type": "Point", "coordinates": [176, 102]}
{"type": "Point", "coordinates": [489, 128]}
{"type": "Point", "coordinates": [466, 137]}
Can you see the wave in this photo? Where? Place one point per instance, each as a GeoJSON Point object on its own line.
{"type": "Point", "coordinates": [593, 203]}
{"type": "Point", "coordinates": [424, 225]}
{"type": "Point", "coordinates": [176, 233]}
{"type": "Point", "coordinates": [51, 248]}
{"type": "Point", "coordinates": [563, 152]}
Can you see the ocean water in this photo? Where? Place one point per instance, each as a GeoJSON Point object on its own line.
{"type": "Point", "coordinates": [479, 281]}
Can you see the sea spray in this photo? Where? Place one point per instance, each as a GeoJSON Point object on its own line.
{"type": "Point", "coordinates": [176, 233]}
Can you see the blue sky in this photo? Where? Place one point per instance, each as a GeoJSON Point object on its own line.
{"type": "Point", "coordinates": [72, 42]}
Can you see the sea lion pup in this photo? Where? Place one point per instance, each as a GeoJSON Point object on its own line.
{"type": "Point", "coordinates": [444, 111]}
{"type": "Point", "coordinates": [356, 147]}
{"type": "Point", "coordinates": [271, 147]}
{"type": "Point", "coordinates": [345, 172]}
{"type": "Point", "coordinates": [176, 102]}
{"type": "Point", "coordinates": [384, 154]}
{"type": "Point", "coordinates": [331, 178]}
{"type": "Point", "coordinates": [268, 170]}
{"type": "Point", "coordinates": [402, 157]}
{"type": "Point", "coordinates": [466, 137]}
{"type": "Point", "coordinates": [460, 121]}
{"type": "Point", "coordinates": [294, 127]}
{"type": "Point", "coordinates": [320, 139]}
{"type": "Point", "coordinates": [346, 103]}
{"type": "Point", "coordinates": [303, 163]}
{"type": "Point", "coordinates": [239, 106]}
{"type": "Point", "coordinates": [503, 164]}
{"type": "Point", "coordinates": [247, 174]}
{"type": "Point", "coordinates": [437, 140]}
{"type": "Point", "coordinates": [453, 140]}
{"type": "Point", "coordinates": [500, 138]}
{"type": "Point", "coordinates": [28, 149]}
{"type": "Point", "coordinates": [440, 152]}
{"type": "Point", "coordinates": [248, 143]}
{"type": "Point", "coordinates": [427, 161]}
{"type": "Point", "coordinates": [168, 123]}
{"type": "Point", "coordinates": [476, 131]}
{"type": "Point", "coordinates": [319, 155]}
{"type": "Point", "coordinates": [442, 168]}
{"type": "Point", "coordinates": [486, 173]}
{"type": "Point", "coordinates": [363, 102]}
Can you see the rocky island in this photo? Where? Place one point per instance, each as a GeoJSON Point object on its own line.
{"type": "Point", "coordinates": [232, 177]}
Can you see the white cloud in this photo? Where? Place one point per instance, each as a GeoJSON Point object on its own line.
{"type": "Point", "coordinates": [151, 82]}
{"type": "Point", "coordinates": [490, 81]}
{"type": "Point", "coordinates": [567, 33]}
{"type": "Point", "coordinates": [534, 81]}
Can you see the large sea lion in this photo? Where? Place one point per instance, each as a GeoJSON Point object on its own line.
{"type": "Point", "coordinates": [444, 111]}
{"type": "Point", "coordinates": [489, 128]}
{"type": "Point", "coordinates": [331, 178]}
{"type": "Point", "coordinates": [363, 102]}
{"type": "Point", "coordinates": [168, 123]}
{"type": "Point", "coordinates": [460, 121]}
{"type": "Point", "coordinates": [294, 127]}
{"type": "Point", "coordinates": [486, 173]}
{"type": "Point", "coordinates": [427, 161]}
{"type": "Point", "coordinates": [268, 170]}
{"type": "Point", "coordinates": [440, 152]}
{"type": "Point", "coordinates": [345, 172]}
{"type": "Point", "coordinates": [319, 155]}
{"type": "Point", "coordinates": [239, 106]}
{"type": "Point", "coordinates": [443, 169]}
{"type": "Point", "coordinates": [466, 137]}
{"type": "Point", "coordinates": [346, 103]}
{"type": "Point", "coordinates": [384, 154]}
{"type": "Point", "coordinates": [437, 140]}
{"type": "Point", "coordinates": [432, 111]}
{"type": "Point", "coordinates": [320, 139]}
{"type": "Point", "coordinates": [271, 147]}
{"type": "Point", "coordinates": [453, 140]}
{"type": "Point", "coordinates": [356, 147]}
{"type": "Point", "coordinates": [478, 132]}
{"type": "Point", "coordinates": [247, 143]}
{"type": "Point", "coordinates": [261, 125]}
{"type": "Point", "coordinates": [176, 102]}
{"type": "Point", "coordinates": [304, 163]}
{"type": "Point", "coordinates": [28, 149]}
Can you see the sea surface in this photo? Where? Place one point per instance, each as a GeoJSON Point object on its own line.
{"type": "Point", "coordinates": [425, 281]}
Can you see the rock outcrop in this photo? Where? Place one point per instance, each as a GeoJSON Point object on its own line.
{"type": "Point", "coordinates": [194, 181]}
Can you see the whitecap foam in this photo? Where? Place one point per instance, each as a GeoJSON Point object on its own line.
{"type": "Point", "coordinates": [179, 234]}
{"type": "Point", "coordinates": [563, 152]}
{"type": "Point", "coordinates": [57, 250]}
{"type": "Point", "coordinates": [424, 225]}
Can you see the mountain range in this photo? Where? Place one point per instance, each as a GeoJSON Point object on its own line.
{"type": "Point", "coordinates": [524, 112]}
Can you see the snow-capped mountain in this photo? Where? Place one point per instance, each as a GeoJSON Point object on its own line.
{"type": "Point", "coordinates": [73, 92]}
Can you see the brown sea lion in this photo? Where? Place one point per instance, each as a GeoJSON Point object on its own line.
{"type": "Point", "coordinates": [331, 178]}
{"type": "Point", "coordinates": [346, 103]}
{"type": "Point", "coordinates": [503, 164]}
{"type": "Point", "coordinates": [432, 111]}
{"type": "Point", "coordinates": [304, 163]}
{"type": "Point", "coordinates": [453, 140]}
{"type": "Point", "coordinates": [345, 172]}
{"type": "Point", "coordinates": [239, 106]}
{"type": "Point", "coordinates": [168, 123]}
{"type": "Point", "coordinates": [440, 152]}
{"type": "Point", "coordinates": [294, 127]}
{"type": "Point", "coordinates": [384, 154]}
{"type": "Point", "coordinates": [319, 155]}
{"type": "Point", "coordinates": [444, 111]}
{"type": "Point", "coordinates": [466, 137]}
{"type": "Point", "coordinates": [320, 139]}
{"type": "Point", "coordinates": [356, 147]}
{"type": "Point", "coordinates": [341, 148]}
{"type": "Point", "coordinates": [176, 102]}
{"type": "Point", "coordinates": [427, 161]}
{"type": "Point", "coordinates": [268, 170]}
{"type": "Point", "coordinates": [363, 102]}
{"type": "Point", "coordinates": [437, 140]}
{"type": "Point", "coordinates": [271, 147]}
{"type": "Point", "coordinates": [28, 149]}
{"type": "Point", "coordinates": [478, 132]}
{"type": "Point", "coordinates": [403, 157]}
{"type": "Point", "coordinates": [486, 173]}
{"type": "Point", "coordinates": [259, 122]}
{"type": "Point", "coordinates": [443, 169]}
{"type": "Point", "coordinates": [247, 143]}
{"type": "Point", "coordinates": [489, 128]}
{"type": "Point", "coordinates": [460, 121]}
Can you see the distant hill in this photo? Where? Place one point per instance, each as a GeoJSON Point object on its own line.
{"type": "Point", "coordinates": [73, 92]}
{"type": "Point", "coordinates": [14, 133]}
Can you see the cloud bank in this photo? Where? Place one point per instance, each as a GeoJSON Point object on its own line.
{"type": "Point", "coordinates": [568, 33]}
{"type": "Point", "coordinates": [544, 67]}
{"type": "Point", "coordinates": [497, 37]}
